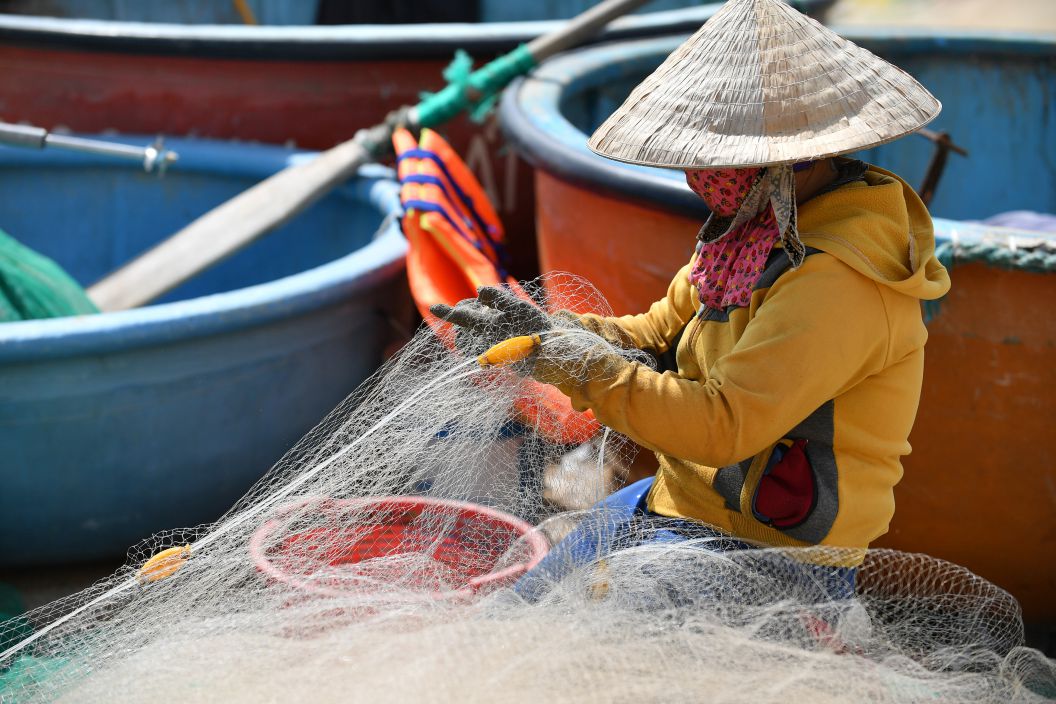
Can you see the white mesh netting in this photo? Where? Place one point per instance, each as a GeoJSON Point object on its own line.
{"type": "Point", "coordinates": [377, 561]}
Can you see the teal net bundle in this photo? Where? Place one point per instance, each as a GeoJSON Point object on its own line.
{"type": "Point", "coordinates": [384, 559]}
{"type": "Point", "coordinates": [33, 286]}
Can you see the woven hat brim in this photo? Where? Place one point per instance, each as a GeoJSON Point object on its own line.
{"type": "Point", "coordinates": [803, 153]}
{"type": "Point", "coordinates": [762, 84]}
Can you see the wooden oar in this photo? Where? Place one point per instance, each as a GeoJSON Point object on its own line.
{"type": "Point", "coordinates": [235, 224]}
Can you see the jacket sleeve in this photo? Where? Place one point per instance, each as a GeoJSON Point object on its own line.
{"type": "Point", "coordinates": [652, 331]}
{"type": "Point", "coordinates": [819, 330]}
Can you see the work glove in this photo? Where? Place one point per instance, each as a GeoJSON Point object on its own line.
{"type": "Point", "coordinates": [496, 314]}
{"type": "Point", "coordinates": [569, 356]}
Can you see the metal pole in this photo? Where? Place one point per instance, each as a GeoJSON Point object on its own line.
{"type": "Point", "coordinates": [38, 138]}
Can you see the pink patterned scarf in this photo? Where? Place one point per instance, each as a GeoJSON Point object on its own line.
{"type": "Point", "coordinates": [727, 267]}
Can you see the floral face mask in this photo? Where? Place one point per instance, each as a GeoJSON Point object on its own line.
{"type": "Point", "coordinates": [734, 246]}
{"type": "Point", "coordinates": [724, 190]}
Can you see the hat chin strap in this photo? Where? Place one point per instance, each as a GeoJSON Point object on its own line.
{"type": "Point", "coordinates": [775, 187]}
{"type": "Point", "coordinates": [783, 200]}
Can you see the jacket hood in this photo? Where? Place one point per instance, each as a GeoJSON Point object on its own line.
{"type": "Point", "coordinates": [881, 229]}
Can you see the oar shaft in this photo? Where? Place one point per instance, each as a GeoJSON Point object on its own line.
{"type": "Point", "coordinates": [488, 80]}
{"type": "Point", "coordinates": [237, 223]}
{"type": "Point", "coordinates": [581, 27]}
{"type": "Point", "coordinates": [219, 233]}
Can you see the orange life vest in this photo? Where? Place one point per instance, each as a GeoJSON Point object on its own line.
{"type": "Point", "coordinates": [455, 246]}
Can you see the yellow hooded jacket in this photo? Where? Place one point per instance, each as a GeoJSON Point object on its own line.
{"type": "Point", "coordinates": [786, 420]}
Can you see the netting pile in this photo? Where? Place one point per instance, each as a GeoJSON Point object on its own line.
{"type": "Point", "coordinates": [33, 286]}
{"type": "Point", "coordinates": [378, 561]}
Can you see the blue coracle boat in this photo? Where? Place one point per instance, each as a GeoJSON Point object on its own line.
{"type": "Point", "coordinates": [118, 425]}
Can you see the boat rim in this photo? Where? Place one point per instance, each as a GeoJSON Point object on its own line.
{"type": "Point", "coordinates": [322, 42]}
{"type": "Point", "coordinates": [251, 306]}
{"type": "Point", "coordinates": [329, 42]}
{"type": "Point", "coordinates": [534, 125]}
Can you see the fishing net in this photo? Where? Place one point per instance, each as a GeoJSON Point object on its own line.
{"type": "Point", "coordinates": [384, 558]}
{"type": "Point", "coordinates": [33, 286]}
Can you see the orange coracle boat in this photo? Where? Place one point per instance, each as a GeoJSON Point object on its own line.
{"type": "Point", "coordinates": [980, 486]}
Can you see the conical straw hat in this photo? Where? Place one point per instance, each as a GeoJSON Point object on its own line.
{"type": "Point", "coordinates": [762, 84]}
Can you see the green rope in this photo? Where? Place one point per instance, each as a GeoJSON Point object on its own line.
{"type": "Point", "coordinates": [475, 91]}
{"type": "Point", "coordinates": [1033, 255]}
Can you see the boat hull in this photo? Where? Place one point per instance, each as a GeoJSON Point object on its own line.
{"type": "Point", "coordinates": [977, 488]}
{"type": "Point", "coordinates": [119, 425]}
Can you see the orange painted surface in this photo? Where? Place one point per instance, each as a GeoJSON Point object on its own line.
{"type": "Point", "coordinates": [980, 486]}
{"type": "Point", "coordinates": [596, 237]}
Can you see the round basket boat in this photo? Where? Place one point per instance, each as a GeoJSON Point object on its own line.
{"type": "Point", "coordinates": [464, 548]}
{"type": "Point", "coordinates": [982, 453]}
{"type": "Point", "coordinates": [118, 425]}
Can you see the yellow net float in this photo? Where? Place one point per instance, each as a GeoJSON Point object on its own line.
{"type": "Point", "coordinates": [164, 564]}
{"type": "Point", "coordinates": [509, 351]}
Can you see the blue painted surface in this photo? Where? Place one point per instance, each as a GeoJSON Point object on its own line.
{"type": "Point", "coordinates": [118, 425]}
{"type": "Point", "coordinates": [998, 93]}
{"type": "Point", "coordinates": [269, 12]}
{"type": "Point", "coordinates": [506, 11]}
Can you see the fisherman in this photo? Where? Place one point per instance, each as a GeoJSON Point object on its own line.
{"type": "Point", "coordinates": [796, 325]}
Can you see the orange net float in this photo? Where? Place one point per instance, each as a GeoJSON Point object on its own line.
{"type": "Point", "coordinates": [164, 564]}
{"type": "Point", "coordinates": [470, 549]}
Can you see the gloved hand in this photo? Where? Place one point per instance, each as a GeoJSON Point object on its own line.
{"type": "Point", "coordinates": [496, 314]}
{"type": "Point", "coordinates": [568, 357]}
